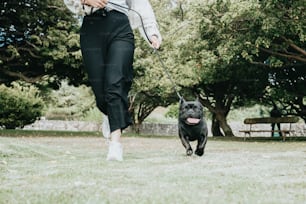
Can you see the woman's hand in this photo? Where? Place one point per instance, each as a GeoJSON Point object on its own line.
{"type": "Point", "coordinates": [96, 3]}
{"type": "Point", "coordinates": [155, 42]}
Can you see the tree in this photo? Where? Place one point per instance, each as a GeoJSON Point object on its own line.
{"type": "Point", "coordinates": [228, 54]}
{"type": "Point", "coordinates": [279, 44]}
{"type": "Point", "coordinates": [151, 86]}
{"type": "Point", "coordinates": [46, 42]}
{"type": "Point", "coordinates": [287, 89]}
{"type": "Point", "coordinates": [275, 34]}
{"type": "Point", "coordinates": [210, 58]}
{"type": "Point", "coordinates": [38, 38]}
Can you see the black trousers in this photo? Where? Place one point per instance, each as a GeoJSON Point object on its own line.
{"type": "Point", "coordinates": [107, 45]}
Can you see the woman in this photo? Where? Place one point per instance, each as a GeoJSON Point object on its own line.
{"type": "Point", "coordinates": [107, 45]}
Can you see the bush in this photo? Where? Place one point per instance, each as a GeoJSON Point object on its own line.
{"type": "Point", "coordinates": [20, 105]}
{"type": "Point", "coordinates": [173, 111]}
{"type": "Point", "coordinates": [70, 103]}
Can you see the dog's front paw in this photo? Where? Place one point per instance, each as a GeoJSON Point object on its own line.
{"type": "Point", "coordinates": [199, 152]}
{"type": "Point", "coordinates": [189, 152]}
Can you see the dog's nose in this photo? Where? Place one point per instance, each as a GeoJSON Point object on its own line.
{"type": "Point", "coordinates": [190, 111]}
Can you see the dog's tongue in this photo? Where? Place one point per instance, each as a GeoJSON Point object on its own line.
{"type": "Point", "coordinates": [193, 120]}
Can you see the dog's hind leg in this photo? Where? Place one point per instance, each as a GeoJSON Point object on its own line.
{"type": "Point", "coordinates": [201, 146]}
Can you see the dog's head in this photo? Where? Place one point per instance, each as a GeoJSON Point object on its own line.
{"type": "Point", "coordinates": [190, 112]}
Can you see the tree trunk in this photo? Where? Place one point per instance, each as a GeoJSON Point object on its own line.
{"type": "Point", "coordinates": [219, 107]}
{"type": "Point", "coordinates": [215, 127]}
{"type": "Point", "coordinates": [224, 125]}
{"type": "Point", "coordinates": [136, 128]}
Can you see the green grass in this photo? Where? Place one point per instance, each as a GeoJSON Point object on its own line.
{"type": "Point", "coordinates": [154, 170]}
{"type": "Point", "coordinates": [47, 133]}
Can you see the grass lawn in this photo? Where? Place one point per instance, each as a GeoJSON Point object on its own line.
{"type": "Point", "coordinates": [154, 170]}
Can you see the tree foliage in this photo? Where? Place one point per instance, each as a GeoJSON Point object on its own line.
{"type": "Point", "coordinates": [152, 87]}
{"type": "Point", "coordinates": [278, 43]}
{"type": "Point", "coordinates": [232, 46]}
{"type": "Point", "coordinates": [38, 38]}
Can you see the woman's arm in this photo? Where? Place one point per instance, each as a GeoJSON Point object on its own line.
{"type": "Point", "coordinates": [83, 7]}
{"type": "Point", "coordinates": [95, 3]}
{"type": "Point", "coordinates": [75, 6]}
{"type": "Point", "coordinates": [144, 8]}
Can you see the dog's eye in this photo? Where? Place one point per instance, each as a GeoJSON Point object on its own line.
{"type": "Point", "coordinates": [183, 108]}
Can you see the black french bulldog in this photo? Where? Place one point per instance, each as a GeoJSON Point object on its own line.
{"type": "Point", "coordinates": [192, 126]}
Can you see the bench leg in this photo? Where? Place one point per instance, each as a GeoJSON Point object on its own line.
{"type": "Point", "coordinates": [284, 134]}
{"type": "Point", "coordinates": [246, 133]}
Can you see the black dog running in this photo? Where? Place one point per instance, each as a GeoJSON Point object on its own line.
{"type": "Point", "coordinates": [192, 126]}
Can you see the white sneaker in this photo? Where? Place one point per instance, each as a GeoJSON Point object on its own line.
{"type": "Point", "coordinates": [105, 128]}
{"type": "Point", "coordinates": [114, 152]}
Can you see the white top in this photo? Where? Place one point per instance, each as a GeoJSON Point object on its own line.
{"type": "Point", "coordinates": [143, 7]}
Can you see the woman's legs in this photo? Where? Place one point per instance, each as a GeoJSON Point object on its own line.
{"type": "Point", "coordinates": [107, 45]}
{"type": "Point", "coordinates": [118, 80]}
{"type": "Point", "coordinates": [93, 54]}
{"type": "Point", "coordinates": [108, 57]}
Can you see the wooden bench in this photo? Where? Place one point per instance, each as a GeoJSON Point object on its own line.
{"type": "Point", "coordinates": [269, 120]}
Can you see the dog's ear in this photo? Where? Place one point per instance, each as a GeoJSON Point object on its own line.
{"type": "Point", "coordinates": [197, 99]}
{"type": "Point", "coordinates": [182, 100]}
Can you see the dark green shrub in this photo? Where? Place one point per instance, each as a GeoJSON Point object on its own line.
{"type": "Point", "coordinates": [19, 105]}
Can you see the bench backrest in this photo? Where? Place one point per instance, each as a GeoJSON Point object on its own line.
{"type": "Point", "coordinates": [271, 120]}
